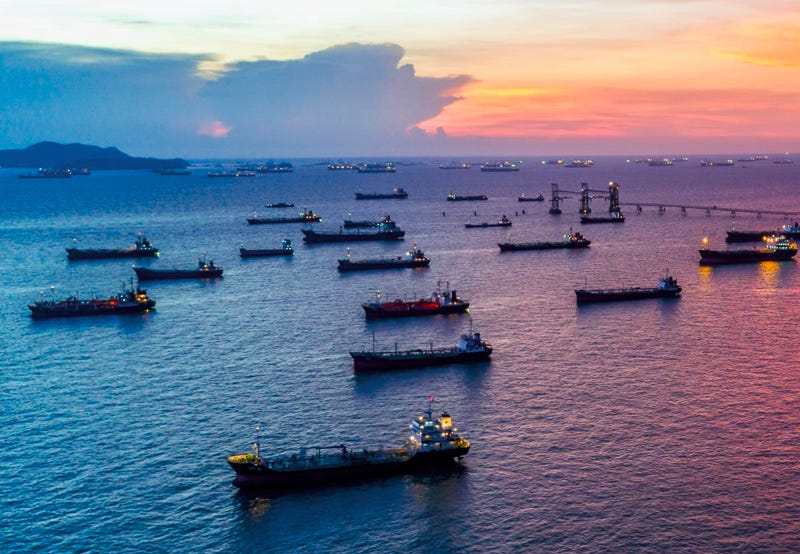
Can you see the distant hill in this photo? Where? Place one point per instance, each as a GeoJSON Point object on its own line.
{"type": "Point", "coordinates": [58, 156]}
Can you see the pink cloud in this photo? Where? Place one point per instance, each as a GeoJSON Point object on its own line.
{"type": "Point", "coordinates": [214, 129]}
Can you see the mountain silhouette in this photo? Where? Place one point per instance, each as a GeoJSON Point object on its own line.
{"type": "Point", "coordinates": [58, 156]}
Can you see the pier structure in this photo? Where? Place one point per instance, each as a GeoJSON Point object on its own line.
{"type": "Point", "coordinates": [586, 195]}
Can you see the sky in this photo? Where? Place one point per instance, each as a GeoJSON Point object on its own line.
{"type": "Point", "coordinates": [214, 79]}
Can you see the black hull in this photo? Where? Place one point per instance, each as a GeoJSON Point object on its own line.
{"type": "Point", "coordinates": [76, 254]}
{"type": "Point", "coordinates": [359, 266]}
{"type": "Point", "coordinates": [513, 247]}
{"type": "Point", "coordinates": [315, 237]}
{"type": "Point", "coordinates": [377, 313]}
{"type": "Point", "coordinates": [144, 274]}
{"type": "Point", "coordinates": [590, 296]}
{"type": "Point", "coordinates": [747, 236]}
{"type": "Point", "coordinates": [525, 199]}
{"type": "Point", "coordinates": [466, 198]}
{"type": "Point", "coordinates": [729, 257]}
{"type": "Point", "coordinates": [245, 253]}
{"type": "Point", "coordinates": [38, 313]}
{"type": "Point", "coordinates": [362, 196]}
{"type": "Point", "coordinates": [250, 476]}
{"type": "Point", "coordinates": [367, 361]}
{"type": "Point", "coordinates": [349, 224]}
{"type": "Point", "coordinates": [269, 221]}
{"type": "Point", "coordinates": [485, 225]}
{"type": "Point", "coordinates": [585, 219]}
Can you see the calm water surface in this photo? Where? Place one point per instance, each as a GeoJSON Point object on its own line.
{"type": "Point", "coordinates": [647, 426]}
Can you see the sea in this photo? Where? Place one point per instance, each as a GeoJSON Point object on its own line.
{"type": "Point", "coordinates": [649, 426]}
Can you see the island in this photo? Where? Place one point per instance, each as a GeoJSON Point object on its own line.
{"type": "Point", "coordinates": [62, 156]}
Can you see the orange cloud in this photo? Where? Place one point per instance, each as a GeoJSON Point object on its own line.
{"type": "Point", "coordinates": [214, 129]}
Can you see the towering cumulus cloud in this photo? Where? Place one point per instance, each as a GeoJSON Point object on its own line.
{"type": "Point", "coordinates": [348, 99]}
{"type": "Point", "coordinates": [355, 97]}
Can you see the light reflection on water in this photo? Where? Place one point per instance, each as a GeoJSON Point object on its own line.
{"type": "Point", "coordinates": [652, 425]}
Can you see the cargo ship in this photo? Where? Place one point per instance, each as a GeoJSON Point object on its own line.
{"type": "Point", "coordinates": [465, 198]}
{"type": "Point", "coordinates": [386, 229]}
{"type": "Point", "coordinates": [204, 270]}
{"type": "Point", "coordinates": [413, 259]}
{"type": "Point", "coordinates": [667, 288]}
{"type": "Point", "coordinates": [790, 231]}
{"type": "Point", "coordinates": [129, 301]}
{"type": "Point", "coordinates": [398, 193]}
{"type": "Point", "coordinates": [612, 217]}
{"type": "Point", "coordinates": [538, 198]}
{"type": "Point", "coordinates": [499, 166]}
{"type": "Point", "coordinates": [433, 442]}
{"type": "Point", "coordinates": [306, 216]}
{"type": "Point", "coordinates": [502, 222]}
{"type": "Point", "coordinates": [376, 168]}
{"type": "Point", "coordinates": [285, 250]}
{"type": "Point", "coordinates": [470, 348]}
{"type": "Point", "coordinates": [440, 302]}
{"type": "Point", "coordinates": [140, 249]}
{"type": "Point", "coordinates": [570, 240]}
{"type": "Point", "coordinates": [776, 249]}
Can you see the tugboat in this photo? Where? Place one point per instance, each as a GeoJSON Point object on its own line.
{"type": "Point", "coordinates": [571, 240]}
{"type": "Point", "coordinates": [385, 230]}
{"type": "Point", "coordinates": [465, 198]}
{"type": "Point", "coordinates": [306, 216]}
{"type": "Point", "coordinates": [502, 222]}
{"type": "Point", "coordinates": [538, 198]}
{"type": "Point", "coordinates": [667, 288]}
{"type": "Point", "coordinates": [140, 249]}
{"type": "Point", "coordinates": [398, 193]}
{"type": "Point", "coordinates": [285, 250]}
{"type": "Point", "coordinates": [205, 270]}
{"type": "Point", "coordinates": [446, 302]}
{"type": "Point", "coordinates": [470, 348]}
{"type": "Point", "coordinates": [416, 258]}
{"type": "Point", "coordinates": [777, 249]}
{"type": "Point", "coordinates": [129, 301]}
{"type": "Point", "coordinates": [433, 442]}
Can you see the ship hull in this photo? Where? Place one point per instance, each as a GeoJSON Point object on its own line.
{"type": "Point", "coordinates": [245, 253]}
{"type": "Point", "coordinates": [485, 225]}
{"type": "Point", "coordinates": [377, 361]}
{"type": "Point", "coordinates": [727, 257]}
{"type": "Point", "coordinates": [466, 198]}
{"type": "Point", "coordinates": [366, 196]}
{"type": "Point", "coordinates": [277, 220]}
{"type": "Point", "coordinates": [513, 247]}
{"type": "Point", "coordinates": [346, 265]}
{"type": "Point", "coordinates": [145, 274]}
{"type": "Point", "coordinates": [315, 237]}
{"type": "Point", "coordinates": [409, 310]}
{"type": "Point", "coordinates": [258, 476]}
{"type": "Point", "coordinates": [758, 236]}
{"type": "Point", "coordinates": [81, 311]}
{"type": "Point", "coordinates": [585, 219]}
{"type": "Point", "coordinates": [100, 254]}
{"type": "Point", "coordinates": [533, 199]}
{"type": "Point", "coordinates": [589, 296]}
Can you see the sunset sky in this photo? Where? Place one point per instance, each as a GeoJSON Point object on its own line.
{"type": "Point", "coordinates": [206, 78]}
